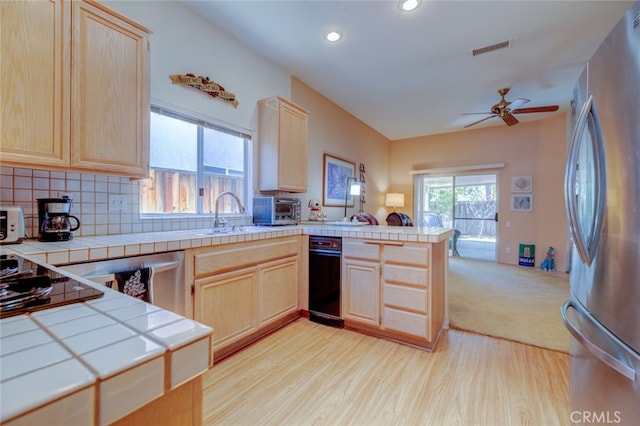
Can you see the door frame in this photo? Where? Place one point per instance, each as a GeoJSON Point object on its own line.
{"type": "Point", "coordinates": [453, 172]}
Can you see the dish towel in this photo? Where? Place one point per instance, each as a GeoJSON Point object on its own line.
{"type": "Point", "coordinates": [137, 283]}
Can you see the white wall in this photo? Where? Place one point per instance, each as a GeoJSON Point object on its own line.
{"type": "Point", "coordinates": [182, 42]}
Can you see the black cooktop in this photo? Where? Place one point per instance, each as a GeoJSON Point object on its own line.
{"type": "Point", "coordinates": [26, 287]}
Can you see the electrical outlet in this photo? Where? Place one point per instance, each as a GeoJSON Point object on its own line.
{"type": "Point", "coordinates": [508, 250]}
{"type": "Point", "coordinates": [118, 203]}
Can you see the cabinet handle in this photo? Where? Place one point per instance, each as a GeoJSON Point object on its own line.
{"type": "Point", "coordinates": [385, 243]}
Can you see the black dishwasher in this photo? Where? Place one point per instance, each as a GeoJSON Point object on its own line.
{"type": "Point", "coordinates": [324, 280]}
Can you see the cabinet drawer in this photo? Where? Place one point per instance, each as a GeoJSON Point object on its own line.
{"type": "Point", "coordinates": [407, 254]}
{"type": "Point", "coordinates": [406, 322]}
{"type": "Point", "coordinates": [358, 249]}
{"type": "Point", "coordinates": [242, 255]}
{"type": "Point", "coordinates": [406, 274]}
{"type": "Point", "coordinates": [415, 299]}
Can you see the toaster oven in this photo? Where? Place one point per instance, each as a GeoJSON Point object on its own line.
{"type": "Point", "coordinates": [276, 211]}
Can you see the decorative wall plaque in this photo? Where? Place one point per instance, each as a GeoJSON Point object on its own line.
{"type": "Point", "coordinates": [205, 85]}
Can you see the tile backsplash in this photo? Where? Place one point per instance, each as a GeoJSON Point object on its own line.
{"type": "Point", "coordinates": [91, 195]}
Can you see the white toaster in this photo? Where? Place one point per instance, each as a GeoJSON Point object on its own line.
{"type": "Point", "coordinates": [11, 224]}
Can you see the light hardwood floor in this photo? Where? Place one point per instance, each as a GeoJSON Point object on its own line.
{"type": "Point", "coordinates": [309, 374]}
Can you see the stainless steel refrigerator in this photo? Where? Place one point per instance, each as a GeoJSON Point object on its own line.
{"type": "Point", "coordinates": [602, 190]}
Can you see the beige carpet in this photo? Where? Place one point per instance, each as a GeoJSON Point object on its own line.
{"type": "Point", "coordinates": [510, 302]}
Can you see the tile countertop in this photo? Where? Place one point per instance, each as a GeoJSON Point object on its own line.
{"type": "Point", "coordinates": [114, 354]}
{"type": "Point", "coordinates": [96, 361]}
{"type": "Point", "coordinates": [82, 249]}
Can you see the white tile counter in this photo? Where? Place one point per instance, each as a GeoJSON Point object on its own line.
{"type": "Point", "coordinates": [97, 361]}
{"type": "Point", "coordinates": [82, 249]}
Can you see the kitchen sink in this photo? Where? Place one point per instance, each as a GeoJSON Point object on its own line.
{"type": "Point", "coordinates": [227, 230]}
{"type": "Point", "coordinates": [220, 231]}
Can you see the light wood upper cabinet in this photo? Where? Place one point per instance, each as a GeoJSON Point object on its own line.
{"type": "Point", "coordinates": [282, 140]}
{"type": "Point", "coordinates": [109, 92]}
{"type": "Point", "coordinates": [75, 88]}
{"type": "Point", "coordinates": [34, 86]}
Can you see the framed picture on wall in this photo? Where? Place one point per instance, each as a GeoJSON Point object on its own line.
{"type": "Point", "coordinates": [334, 183]}
{"type": "Point", "coordinates": [521, 184]}
{"type": "Point", "coordinates": [522, 203]}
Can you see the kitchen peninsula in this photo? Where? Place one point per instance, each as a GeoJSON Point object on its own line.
{"type": "Point", "coordinates": [431, 242]}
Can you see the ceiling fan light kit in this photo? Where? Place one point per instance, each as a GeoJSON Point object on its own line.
{"type": "Point", "coordinates": [505, 109]}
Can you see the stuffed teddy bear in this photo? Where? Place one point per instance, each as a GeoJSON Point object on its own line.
{"type": "Point", "coordinates": [316, 210]}
{"type": "Point", "coordinates": [548, 264]}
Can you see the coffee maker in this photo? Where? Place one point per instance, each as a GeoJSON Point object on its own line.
{"type": "Point", "coordinates": [54, 220]}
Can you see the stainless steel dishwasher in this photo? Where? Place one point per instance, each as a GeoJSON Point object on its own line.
{"type": "Point", "coordinates": [324, 280]}
{"type": "Point", "coordinates": [166, 282]}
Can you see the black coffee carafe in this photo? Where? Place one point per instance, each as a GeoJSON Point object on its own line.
{"type": "Point", "coordinates": [54, 219]}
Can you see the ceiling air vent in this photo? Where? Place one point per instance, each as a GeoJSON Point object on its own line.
{"type": "Point", "coordinates": [636, 21]}
{"type": "Point", "coordinates": [491, 48]}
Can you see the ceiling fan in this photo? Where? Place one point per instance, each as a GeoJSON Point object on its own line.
{"type": "Point", "coordinates": [505, 109]}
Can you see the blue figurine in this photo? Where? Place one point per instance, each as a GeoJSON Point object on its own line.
{"type": "Point", "coordinates": [548, 264]}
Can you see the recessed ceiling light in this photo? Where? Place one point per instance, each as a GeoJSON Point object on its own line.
{"type": "Point", "coordinates": [408, 5]}
{"type": "Point", "coordinates": [333, 35]}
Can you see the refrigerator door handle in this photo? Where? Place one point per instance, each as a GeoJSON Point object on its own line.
{"type": "Point", "coordinates": [596, 351]}
{"type": "Point", "coordinates": [586, 241]}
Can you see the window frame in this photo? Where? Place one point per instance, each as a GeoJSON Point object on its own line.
{"type": "Point", "coordinates": [210, 123]}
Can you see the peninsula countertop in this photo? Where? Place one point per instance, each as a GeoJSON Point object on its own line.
{"type": "Point", "coordinates": [83, 249]}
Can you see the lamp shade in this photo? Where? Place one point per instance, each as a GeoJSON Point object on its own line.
{"type": "Point", "coordinates": [395, 199]}
{"type": "Point", "coordinates": [352, 187]}
{"type": "Point", "coordinates": [355, 188]}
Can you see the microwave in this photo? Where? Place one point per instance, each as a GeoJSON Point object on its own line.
{"type": "Point", "coordinates": [276, 211]}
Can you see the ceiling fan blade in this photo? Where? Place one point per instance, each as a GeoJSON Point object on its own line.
{"type": "Point", "coordinates": [518, 103]}
{"type": "Point", "coordinates": [480, 121]}
{"type": "Point", "coordinates": [510, 120]}
{"type": "Point", "coordinates": [474, 113]}
{"type": "Point", "coordinates": [548, 108]}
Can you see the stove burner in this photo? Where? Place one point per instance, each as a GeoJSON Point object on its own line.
{"type": "Point", "coordinates": [8, 267]}
{"type": "Point", "coordinates": [22, 290]}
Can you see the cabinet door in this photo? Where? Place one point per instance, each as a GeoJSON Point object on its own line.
{"type": "Point", "coordinates": [292, 170]}
{"type": "Point", "coordinates": [226, 302]}
{"type": "Point", "coordinates": [361, 291]}
{"type": "Point", "coordinates": [34, 112]}
{"type": "Point", "coordinates": [278, 291]}
{"type": "Point", "coordinates": [109, 93]}
{"type": "Point", "coordinates": [282, 140]}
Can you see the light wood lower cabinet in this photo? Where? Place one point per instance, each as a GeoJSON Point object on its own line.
{"type": "Point", "coordinates": [244, 290]}
{"type": "Point", "coordinates": [394, 289]}
{"type": "Point", "coordinates": [277, 289]}
{"type": "Point", "coordinates": [227, 302]}
{"type": "Point", "coordinates": [361, 291]}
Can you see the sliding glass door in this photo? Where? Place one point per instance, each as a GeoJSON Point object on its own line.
{"type": "Point", "coordinates": [466, 202]}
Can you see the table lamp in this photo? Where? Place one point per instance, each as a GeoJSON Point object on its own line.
{"type": "Point", "coordinates": [395, 200]}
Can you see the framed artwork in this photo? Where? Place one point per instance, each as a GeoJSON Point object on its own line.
{"type": "Point", "coordinates": [334, 182]}
{"type": "Point", "coordinates": [522, 203]}
{"type": "Point", "coordinates": [521, 184]}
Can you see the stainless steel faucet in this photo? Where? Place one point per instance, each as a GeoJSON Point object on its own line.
{"type": "Point", "coordinates": [216, 222]}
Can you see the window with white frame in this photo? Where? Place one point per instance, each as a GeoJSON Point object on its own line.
{"type": "Point", "coordinates": [191, 162]}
